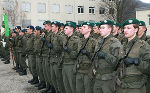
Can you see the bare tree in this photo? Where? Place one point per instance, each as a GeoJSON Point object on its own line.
{"type": "Point", "coordinates": [120, 10]}
{"type": "Point", "coordinates": [12, 10]}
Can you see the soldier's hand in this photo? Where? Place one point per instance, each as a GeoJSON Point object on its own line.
{"type": "Point", "coordinates": [67, 49]}
{"type": "Point", "coordinates": [129, 61]}
{"type": "Point", "coordinates": [43, 39]}
{"type": "Point", "coordinates": [50, 45]}
{"type": "Point", "coordinates": [101, 55]}
{"type": "Point", "coordinates": [84, 52]}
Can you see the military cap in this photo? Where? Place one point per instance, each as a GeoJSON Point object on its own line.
{"type": "Point", "coordinates": [97, 24]}
{"type": "Point", "coordinates": [108, 22]}
{"type": "Point", "coordinates": [142, 23]}
{"type": "Point", "coordinates": [37, 28]}
{"type": "Point", "coordinates": [62, 24]}
{"type": "Point", "coordinates": [47, 22]}
{"type": "Point", "coordinates": [24, 30]}
{"type": "Point", "coordinates": [79, 25]}
{"type": "Point", "coordinates": [56, 23]}
{"type": "Point", "coordinates": [31, 27]}
{"type": "Point", "coordinates": [71, 24]}
{"type": "Point", "coordinates": [88, 23]}
{"type": "Point", "coordinates": [18, 27]}
{"type": "Point", "coordinates": [130, 21]}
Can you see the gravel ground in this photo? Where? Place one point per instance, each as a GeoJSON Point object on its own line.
{"type": "Point", "coordinates": [11, 82]}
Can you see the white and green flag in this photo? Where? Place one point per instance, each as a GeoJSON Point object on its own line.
{"type": "Point", "coordinates": [5, 26]}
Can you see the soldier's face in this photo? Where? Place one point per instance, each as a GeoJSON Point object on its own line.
{"type": "Point", "coordinates": [21, 33]}
{"type": "Point", "coordinates": [68, 30]}
{"type": "Point", "coordinates": [54, 27]}
{"type": "Point", "coordinates": [29, 31]}
{"type": "Point", "coordinates": [14, 34]}
{"type": "Point", "coordinates": [17, 30]}
{"type": "Point", "coordinates": [47, 27]}
{"type": "Point", "coordinates": [115, 29]}
{"type": "Point", "coordinates": [105, 30]}
{"type": "Point", "coordinates": [130, 31]}
{"type": "Point", "coordinates": [142, 29]}
{"type": "Point", "coordinates": [86, 29]}
{"type": "Point", "coordinates": [80, 29]}
{"type": "Point", "coordinates": [95, 29]}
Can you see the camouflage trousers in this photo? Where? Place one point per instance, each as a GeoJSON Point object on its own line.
{"type": "Point", "coordinates": [46, 69]}
{"type": "Point", "coordinates": [57, 79]}
{"type": "Point", "coordinates": [83, 83]}
{"type": "Point", "coordinates": [32, 65]}
{"type": "Point", "coordinates": [39, 68]}
{"type": "Point", "coordinates": [69, 78]}
{"type": "Point", "coordinates": [102, 86]}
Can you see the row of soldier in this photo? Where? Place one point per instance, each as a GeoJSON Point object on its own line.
{"type": "Point", "coordinates": [104, 57]}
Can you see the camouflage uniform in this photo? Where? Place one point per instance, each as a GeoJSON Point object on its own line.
{"type": "Point", "coordinates": [135, 78]}
{"type": "Point", "coordinates": [83, 82]}
{"type": "Point", "coordinates": [55, 59]}
{"type": "Point", "coordinates": [69, 59]}
{"type": "Point", "coordinates": [105, 65]}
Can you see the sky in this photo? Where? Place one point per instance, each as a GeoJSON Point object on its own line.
{"type": "Point", "coordinates": [145, 1]}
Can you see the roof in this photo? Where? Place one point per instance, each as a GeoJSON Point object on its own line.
{"type": "Point", "coordinates": [142, 8]}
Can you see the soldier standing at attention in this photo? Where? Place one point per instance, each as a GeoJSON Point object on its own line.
{"type": "Point", "coordinates": [71, 49]}
{"type": "Point", "coordinates": [135, 66]}
{"type": "Point", "coordinates": [106, 59]}
{"type": "Point", "coordinates": [31, 56]}
{"type": "Point", "coordinates": [83, 82]}
{"type": "Point", "coordinates": [21, 47]}
{"type": "Point", "coordinates": [37, 47]}
{"type": "Point", "coordinates": [46, 45]}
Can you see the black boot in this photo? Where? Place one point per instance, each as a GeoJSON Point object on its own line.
{"type": "Point", "coordinates": [39, 84]}
{"type": "Point", "coordinates": [47, 88]}
{"type": "Point", "coordinates": [43, 85]}
{"type": "Point", "coordinates": [7, 62]}
{"type": "Point", "coordinates": [23, 72]}
{"type": "Point", "coordinates": [30, 81]}
{"type": "Point", "coordinates": [2, 59]}
{"type": "Point", "coordinates": [36, 81]}
{"type": "Point", "coordinates": [52, 90]}
{"type": "Point", "coordinates": [19, 70]}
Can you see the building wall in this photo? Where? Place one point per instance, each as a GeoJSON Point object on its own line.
{"type": "Point", "coordinates": [143, 16]}
{"type": "Point", "coordinates": [37, 18]}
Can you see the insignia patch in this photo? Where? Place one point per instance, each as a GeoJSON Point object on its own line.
{"type": "Point", "coordinates": [105, 21]}
{"type": "Point", "coordinates": [130, 21]}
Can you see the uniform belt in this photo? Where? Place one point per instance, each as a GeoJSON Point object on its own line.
{"type": "Point", "coordinates": [130, 79]}
{"type": "Point", "coordinates": [104, 71]}
{"type": "Point", "coordinates": [84, 66]}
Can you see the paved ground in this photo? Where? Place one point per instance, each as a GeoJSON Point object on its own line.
{"type": "Point", "coordinates": [11, 82]}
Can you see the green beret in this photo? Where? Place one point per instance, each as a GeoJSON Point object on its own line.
{"type": "Point", "coordinates": [88, 23]}
{"type": "Point", "coordinates": [142, 23]}
{"type": "Point", "coordinates": [71, 24]}
{"type": "Point", "coordinates": [79, 25]}
{"type": "Point", "coordinates": [130, 21]}
{"type": "Point", "coordinates": [47, 22]}
{"type": "Point", "coordinates": [56, 23]}
{"type": "Point", "coordinates": [97, 24]}
{"type": "Point", "coordinates": [108, 22]}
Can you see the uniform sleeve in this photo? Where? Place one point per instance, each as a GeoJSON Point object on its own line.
{"type": "Point", "coordinates": [115, 52]}
{"type": "Point", "coordinates": [144, 54]}
{"type": "Point", "coordinates": [76, 48]}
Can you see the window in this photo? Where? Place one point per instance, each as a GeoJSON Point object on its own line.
{"type": "Point", "coordinates": [41, 7]}
{"type": "Point", "coordinates": [91, 10]}
{"type": "Point", "coordinates": [26, 23]}
{"type": "Point", "coordinates": [111, 11]}
{"type": "Point", "coordinates": [26, 6]}
{"type": "Point", "coordinates": [69, 9]}
{"type": "Point", "coordinates": [101, 10]}
{"type": "Point", "coordinates": [149, 19]}
{"type": "Point", "coordinates": [80, 9]}
{"type": "Point", "coordinates": [40, 23]}
{"type": "Point", "coordinates": [55, 8]}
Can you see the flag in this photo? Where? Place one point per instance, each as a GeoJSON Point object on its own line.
{"type": "Point", "coordinates": [5, 26]}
